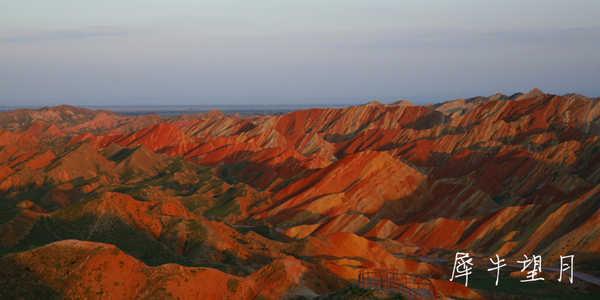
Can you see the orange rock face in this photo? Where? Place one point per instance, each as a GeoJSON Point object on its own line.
{"type": "Point", "coordinates": [73, 269]}
{"type": "Point", "coordinates": [95, 204]}
{"type": "Point", "coordinates": [346, 253]}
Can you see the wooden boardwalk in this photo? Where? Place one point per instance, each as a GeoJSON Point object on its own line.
{"type": "Point", "coordinates": [392, 280]}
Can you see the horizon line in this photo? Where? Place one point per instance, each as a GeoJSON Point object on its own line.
{"type": "Point", "coordinates": [5, 107]}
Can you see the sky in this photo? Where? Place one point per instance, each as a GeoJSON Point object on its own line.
{"type": "Point", "coordinates": [231, 52]}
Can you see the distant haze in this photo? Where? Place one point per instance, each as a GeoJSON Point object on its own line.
{"type": "Point", "coordinates": [151, 52]}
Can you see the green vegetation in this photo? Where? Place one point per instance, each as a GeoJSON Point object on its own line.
{"type": "Point", "coordinates": [230, 172]}
{"type": "Point", "coordinates": [232, 284]}
{"type": "Point", "coordinates": [198, 180]}
{"type": "Point", "coordinates": [19, 282]}
{"type": "Point", "coordinates": [501, 198]}
{"type": "Point", "coordinates": [136, 191]}
{"type": "Point", "coordinates": [353, 292]}
{"type": "Point", "coordinates": [197, 231]}
{"type": "Point", "coordinates": [226, 204]}
{"type": "Point", "coordinates": [176, 165]}
{"type": "Point", "coordinates": [105, 229]}
{"type": "Point", "coordinates": [266, 231]}
{"type": "Point", "coordinates": [588, 263]}
{"type": "Point", "coordinates": [122, 154]}
{"type": "Point", "coordinates": [196, 201]}
{"type": "Point", "coordinates": [7, 210]}
{"type": "Point", "coordinates": [484, 281]}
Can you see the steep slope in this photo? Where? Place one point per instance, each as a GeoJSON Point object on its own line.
{"type": "Point", "coordinates": [82, 162]}
{"type": "Point", "coordinates": [348, 185]}
{"type": "Point", "coordinates": [138, 163]}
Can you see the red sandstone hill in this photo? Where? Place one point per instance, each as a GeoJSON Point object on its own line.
{"type": "Point", "coordinates": [74, 269]}
{"type": "Point", "coordinates": [213, 205]}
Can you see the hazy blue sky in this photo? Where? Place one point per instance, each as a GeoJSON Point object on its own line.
{"type": "Point", "coordinates": [242, 52]}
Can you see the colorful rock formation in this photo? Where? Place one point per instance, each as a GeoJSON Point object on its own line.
{"type": "Point", "coordinates": [97, 204]}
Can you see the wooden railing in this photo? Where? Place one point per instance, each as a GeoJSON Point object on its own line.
{"type": "Point", "coordinates": [392, 280]}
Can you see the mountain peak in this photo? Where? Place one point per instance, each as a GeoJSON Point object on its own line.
{"type": "Point", "coordinates": [535, 92]}
{"type": "Point", "coordinates": [402, 102]}
{"type": "Point", "coordinates": [374, 102]}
